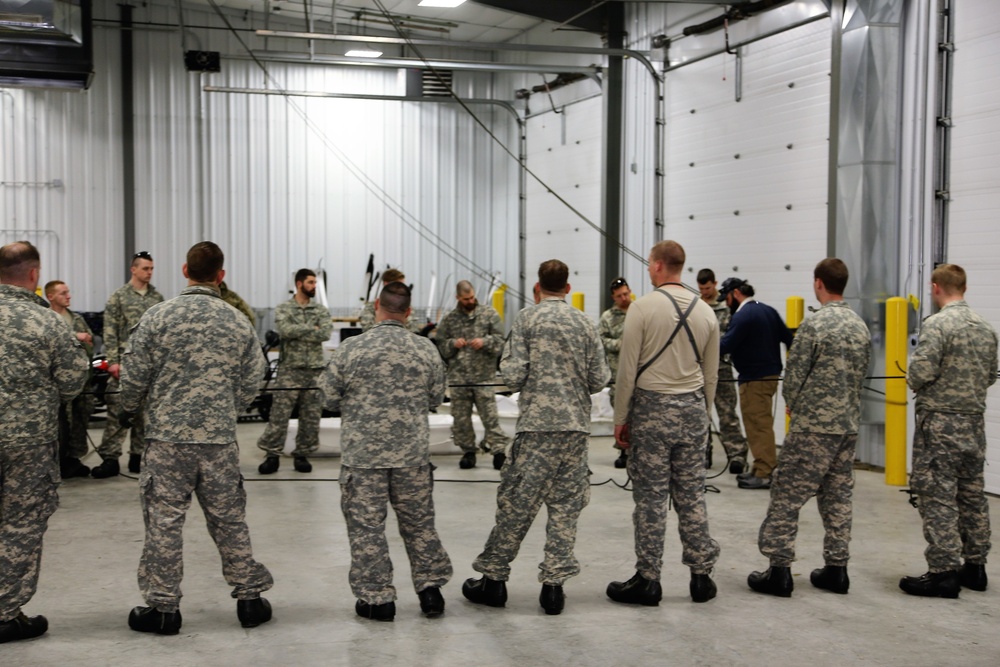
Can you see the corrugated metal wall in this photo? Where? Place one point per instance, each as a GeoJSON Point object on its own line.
{"type": "Point", "coordinates": [973, 241]}
{"type": "Point", "coordinates": [279, 183]}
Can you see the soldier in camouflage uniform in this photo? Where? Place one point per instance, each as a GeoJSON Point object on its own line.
{"type": "Point", "coordinates": [954, 364]}
{"type": "Point", "coordinates": [824, 375]}
{"type": "Point", "coordinates": [610, 327]}
{"type": "Point", "coordinates": [74, 416]}
{"type": "Point", "coordinates": [470, 338]}
{"type": "Point", "coordinates": [385, 383]}
{"type": "Point", "coordinates": [124, 309]}
{"type": "Point", "coordinates": [733, 442]}
{"type": "Point", "coordinates": [554, 357]}
{"type": "Point", "coordinates": [666, 381]}
{"type": "Point", "coordinates": [304, 325]}
{"type": "Point", "coordinates": [367, 319]}
{"type": "Point", "coordinates": [237, 302]}
{"type": "Point", "coordinates": [195, 363]}
{"type": "Point", "coordinates": [42, 364]}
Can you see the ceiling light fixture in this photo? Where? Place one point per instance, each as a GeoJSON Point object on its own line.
{"type": "Point", "coordinates": [363, 53]}
{"type": "Point", "coordinates": [440, 3]}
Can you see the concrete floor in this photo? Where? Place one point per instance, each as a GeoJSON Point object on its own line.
{"type": "Point", "coordinates": [93, 544]}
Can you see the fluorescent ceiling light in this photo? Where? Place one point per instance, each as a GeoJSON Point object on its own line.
{"type": "Point", "coordinates": [363, 53]}
{"type": "Point", "coordinates": [440, 3]}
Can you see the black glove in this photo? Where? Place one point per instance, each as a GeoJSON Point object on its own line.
{"type": "Point", "coordinates": [126, 419]}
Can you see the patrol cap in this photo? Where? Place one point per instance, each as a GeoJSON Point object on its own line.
{"type": "Point", "coordinates": [730, 284]}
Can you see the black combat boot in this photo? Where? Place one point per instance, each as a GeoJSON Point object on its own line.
{"type": "Point", "coordinates": [622, 460]}
{"type": "Point", "coordinates": [485, 591]}
{"type": "Point", "coordinates": [431, 601]}
{"type": "Point", "coordinates": [637, 590]}
{"type": "Point", "coordinates": [552, 599]}
{"type": "Point", "coordinates": [775, 581]}
{"type": "Point", "coordinates": [23, 627]}
{"type": "Point", "coordinates": [108, 468]}
{"type": "Point", "coordinates": [933, 584]}
{"type": "Point", "coordinates": [134, 463]}
{"type": "Point", "coordinates": [302, 464]}
{"type": "Point", "coordinates": [832, 578]}
{"type": "Point", "coordinates": [702, 588]}
{"type": "Point", "coordinates": [269, 466]}
{"type": "Point", "coordinates": [376, 612]}
{"type": "Point", "coordinates": [149, 619]}
{"type": "Point", "coordinates": [253, 612]}
{"type": "Point", "coordinates": [973, 576]}
{"type": "Point", "coordinates": [468, 461]}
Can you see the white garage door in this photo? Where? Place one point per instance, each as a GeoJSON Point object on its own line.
{"type": "Point", "coordinates": [974, 228]}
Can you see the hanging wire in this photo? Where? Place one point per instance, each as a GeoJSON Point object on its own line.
{"type": "Point", "coordinates": [374, 188]}
{"type": "Point", "coordinates": [441, 80]}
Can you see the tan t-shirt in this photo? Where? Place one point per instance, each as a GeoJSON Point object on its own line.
{"type": "Point", "coordinates": [648, 325]}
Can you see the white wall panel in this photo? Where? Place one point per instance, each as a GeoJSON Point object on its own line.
{"type": "Point", "coordinates": [564, 150]}
{"type": "Point", "coordinates": [746, 182]}
{"type": "Point", "coordinates": [277, 189]}
{"type": "Point", "coordinates": [973, 241]}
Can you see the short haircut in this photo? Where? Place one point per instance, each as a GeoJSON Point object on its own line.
{"type": "Point", "coordinates": [51, 286]}
{"type": "Point", "coordinates": [706, 276]}
{"type": "Point", "coordinates": [950, 278]}
{"type": "Point", "coordinates": [617, 284]}
{"type": "Point", "coordinates": [302, 274]}
{"type": "Point", "coordinates": [832, 272]}
{"type": "Point", "coordinates": [553, 276]}
{"type": "Point", "coordinates": [670, 253]}
{"type": "Point", "coordinates": [394, 298]}
{"type": "Point", "coordinates": [140, 256]}
{"type": "Point", "coordinates": [17, 259]}
{"type": "Point", "coordinates": [464, 287]}
{"type": "Point", "coordinates": [204, 261]}
{"type": "Point", "coordinates": [392, 276]}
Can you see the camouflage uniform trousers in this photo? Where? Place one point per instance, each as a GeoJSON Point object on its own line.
{"type": "Point", "coordinates": [543, 467]}
{"type": "Point", "coordinates": [74, 417]}
{"type": "Point", "coordinates": [811, 464]}
{"type": "Point", "coordinates": [310, 404]}
{"type": "Point", "coordinates": [29, 482]}
{"type": "Point", "coordinates": [364, 493]}
{"type": "Point", "coordinates": [668, 434]}
{"type": "Point", "coordinates": [730, 433]}
{"type": "Point", "coordinates": [114, 434]}
{"type": "Point", "coordinates": [462, 433]}
{"type": "Point", "coordinates": [757, 405]}
{"type": "Point", "coordinates": [948, 455]}
{"type": "Point", "coordinates": [171, 472]}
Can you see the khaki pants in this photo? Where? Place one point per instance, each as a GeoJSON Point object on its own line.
{"type": "Point", "coordinates": [756, 400]}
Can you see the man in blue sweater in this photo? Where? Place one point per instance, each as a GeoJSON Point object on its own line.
{"type": "Point", "coordinates": [753, 341]}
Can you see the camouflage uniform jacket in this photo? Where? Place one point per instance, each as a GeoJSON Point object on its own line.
{"type": "Point", "coordinates": [197, 363]}
{"type": "Point", "coordinates": [955, 361]}
{"type": "Point", "coordinates": [385, 382]}
{"type": "Point", "coordinates": [610, 327]}
{"type": "Point", "coordinates": [825, 371]}
{"type": "Point", "coordinates": [237, 302]}
{"type": "Point", "coordinates": [80, 326]}
{"type": "Point", "coordinates": [303, 330]}
{"type": "Point", "coordinates": [367, 319]}
{"type": "Point", "coordinates": [468, 365]}
{"type": "Point", "coordinates": [555, 358]}
{"type": "Point", "coordinates": [722, 314]}
{"type": "Point", "coordinates": [122, 312]}
{"type": "Point", "coordinates": [42, 365]}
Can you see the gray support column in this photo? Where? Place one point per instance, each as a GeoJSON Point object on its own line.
{"type": "Point", "coordinates": [611, 192]}
{"type": "Point", "coordinates": [863, 229]}
{"type": "Point", "coordinates": [128, 135]}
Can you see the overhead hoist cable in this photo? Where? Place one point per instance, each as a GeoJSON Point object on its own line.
{"type": "Point", "coordinates": [369, 184]}
{"type": "Point", "coordinates": [451, 91]}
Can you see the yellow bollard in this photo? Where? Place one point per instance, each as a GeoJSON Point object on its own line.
{"type": "Point", "coordinates": [498, 299]}
{"type": "Point", "coordinates": [895, 390]}
{"type": "Point", "coordinates": [795, 310]}
{"type": "Point", "coordinates": [577, 300]}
